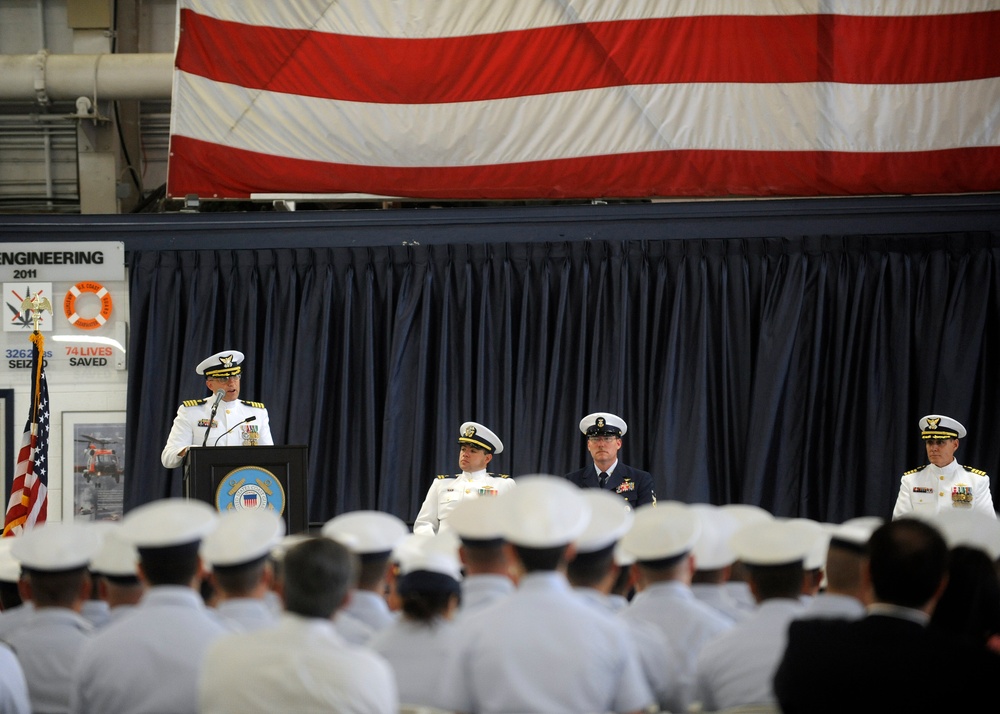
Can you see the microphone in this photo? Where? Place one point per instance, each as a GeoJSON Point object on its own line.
{"type": "Point", "coordinates": [219, 394]}
{"type": "Point", "coordinates": [245, 421]}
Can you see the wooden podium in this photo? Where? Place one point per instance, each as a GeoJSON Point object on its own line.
{"type": "Point", "coordinates": [246, 477]}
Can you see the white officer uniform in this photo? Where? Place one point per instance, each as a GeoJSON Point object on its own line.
{"type": "Point", "coordinates": [13, 687]}
{"type": "Point", "coordinates": [243, 539]}
{"type": "Point", "coordinates": [668, 532]}
{"type": "Point", "coordinates": [929, 489]}
{"type": "Point", "coordinates": [446, 492]}
{"type": "Point", "coordinates": [150, 660]}
{"type": "Point", "coordinates": [543, 648]}
{"type": "Point", "coordinates": [49, 643]}
{"type": "Point", "coordinates": [736, 667]}
{"type": "Point", "coordinates": [194, 416]}
{"type": "Point", "coordinates": [369, 535]}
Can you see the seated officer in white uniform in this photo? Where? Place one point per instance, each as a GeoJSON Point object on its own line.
{"type": "Point", "coordinates": [235, 422]}
{"type": "Point", "coordinates": [372, 536]}
{"type": "Point", "coordinates": [543, 648]}
{"type": "Point", "coordinates": [149, 661]}
{"type": "Point", "coordinates": [943, 483]}
{"type": "Point", "coordinates": [477, 447]}
{"type": "Point", "coordinates": [54, 558]}
{"type": "Point", "coordinates": [237, 551]}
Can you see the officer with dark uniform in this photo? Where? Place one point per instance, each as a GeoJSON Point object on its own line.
{"type": "Point", "coordinates": [943, 484]}
{"type": "Point", "coordinates": [604, 434]}
{"type": "Point", "coordinates": [477, 446]}
{"type": "Point", "coordinates": [235, 422]}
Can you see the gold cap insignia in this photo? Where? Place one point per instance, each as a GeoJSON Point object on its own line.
{"type": "Point", "coordinates": [601, 422]}
{"type": "Point", "coordinates": [470, 431]}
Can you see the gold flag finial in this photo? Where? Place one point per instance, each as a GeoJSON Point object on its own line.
{"type": "Point", "coordinates": [37, 304]}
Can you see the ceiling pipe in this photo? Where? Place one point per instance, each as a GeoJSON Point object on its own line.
{"type": "Point", "coordinates": [45, 77]}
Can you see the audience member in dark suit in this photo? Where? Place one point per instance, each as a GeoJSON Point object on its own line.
{"type": "Point", "coordinates": [970, 605]}
{"type": "Point", "coordinates": [889, 660]}
{"type": "Point", "coordinates": [604, 434]}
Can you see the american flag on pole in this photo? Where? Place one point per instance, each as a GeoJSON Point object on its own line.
{"type": "Point", "coordinates": [522, 99]}
{"type": "Point", "coordinates": [28, 502]}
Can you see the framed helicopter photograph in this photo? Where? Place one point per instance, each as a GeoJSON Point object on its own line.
{"type": "Point", "coordinates": [94, 448]}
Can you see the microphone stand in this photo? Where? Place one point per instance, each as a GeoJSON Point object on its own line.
{"type": "Point", "coordinates": [215, 408]}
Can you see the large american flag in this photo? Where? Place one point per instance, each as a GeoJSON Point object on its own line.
{"type": "Point", "coordinates": [520, 99]}
{"type": "Point", "coordinates": [28, 504]}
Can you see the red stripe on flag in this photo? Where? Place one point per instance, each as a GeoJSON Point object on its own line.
{"type": "Point", "coordinates": [782, 48]}
{"type": "Point", "coordinates": [215, 171]}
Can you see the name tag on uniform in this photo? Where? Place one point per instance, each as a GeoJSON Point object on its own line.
{"type": "Point", "coordinates": [922, 489]}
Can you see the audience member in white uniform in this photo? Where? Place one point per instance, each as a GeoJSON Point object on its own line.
{"type": "Point", "coordinates": [301, 664]}
{"type": "Point", "coordinates": [661, 540]}
{"type": "Point", "coordinates": [738, 585]}
{"type": "Point", "coordinates": [813, 575]}
{"type": "Point", "coordinates": [736, 668]}
{"type": "Point", "coordinates": [54, 559]}
{"type": "Point", "coordinates": [543, 648]}
{"type": "Point", "coordinates": [485, 560]}
{"type": "Point", "coordinates": [429, 588]}
{"type": "Point", "coordinates": [116, 575]}
{"type": "Point", "coordinates": [593, 572]}
{"type": "Point", "coordinates": [713, 560]}
{"type": "Point", "coordinates": [477, 447]}
{"type": "Point", "coordinates": [372, 536]}
{"type": "Point", "coordinates": [843, 594]}
{"type": "Point", "coordinates": [14, 610]}
{"type": "Point", "coordinates": [13, 687]}
{"type": "Point", "coordinates": [95, 609]}
{"type": "Point", "coordinates": [237, 551]}
{"type": "Point", "coordinates": [149, 661]}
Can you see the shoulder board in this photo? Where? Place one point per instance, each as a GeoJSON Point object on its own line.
{"type": "Point", "coordinates": [256, 405]}
{"type": "Point", "coordinates": [500, 475]}
{"type": "Point", "coordinates": [446, 475]}
{"type": "Point", "coordinates": [974, 471]}
{"type": "Point", "coordinates": [913, 471]}
{"type": "Point", "coordinates": [194, 402]}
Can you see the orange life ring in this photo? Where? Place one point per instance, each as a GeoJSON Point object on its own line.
{"type": "Point", "coordinates": [87, 323]}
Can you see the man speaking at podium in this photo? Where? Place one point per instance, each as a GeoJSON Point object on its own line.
{"type": "Point", "coordinates": [220, 420]}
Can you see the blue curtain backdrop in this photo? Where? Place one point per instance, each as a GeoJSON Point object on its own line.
{"type": "Point", "coordinates": [789, 372]}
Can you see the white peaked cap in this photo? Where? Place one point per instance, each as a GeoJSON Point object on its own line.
{"type": "Point", "coordinates": [971, 530]}
{"type": "Point", "coordinates": [662, 531]}
{"type": "Point", "coordinates": [771, 542]}
{"type": "Point", "coordinates": [544, 511]}
{"type": "Point", "coordinates": [478, 519]}
{"type": "Point", "coordinates": [52, 547]}
{"type": "Point", "coordinates": [610, 519]}
{"type": "Point", "coordinates": [366, 532]}
{"type": "Point", "coordinates": [816, 537]}
{"type": "Point", "coordinates": [747, 512]}
{"type": "Point", "coordinates": [475, 434]}
{"type": "Point", "coordinates": [10, 569]}
{"type": "Point", "coordinates": [712, 550]}
{"type": "Point", "coordinates": [242, 536]}
{"type": "Point", "coordinates": [601, 423]}
{"type": "Point", "coordinates": [168, 522]}
{"type": "Point", "coordinates": [436, 553]}
{"type": "Point", "coordinates": [117, 557]}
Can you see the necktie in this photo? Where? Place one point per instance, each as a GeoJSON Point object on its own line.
{"type": "Point", "coordinates": [603, 479]}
